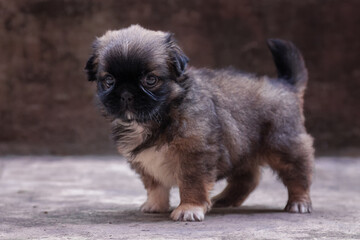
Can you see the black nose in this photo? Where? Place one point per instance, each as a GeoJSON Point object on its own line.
{"type": "Point", "coordinates": [127, 97]}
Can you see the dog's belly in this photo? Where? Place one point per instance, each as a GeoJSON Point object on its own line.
{"type": "Point", "coordinates": [157, 164]}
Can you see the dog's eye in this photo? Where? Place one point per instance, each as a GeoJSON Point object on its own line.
{"type": "Point", "coordinates": [150, 81]}
{"type": "Point", "coordinates": [109, 81]}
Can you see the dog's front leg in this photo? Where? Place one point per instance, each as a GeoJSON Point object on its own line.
{"type": "Point", "coordinates": [158, 196]}
{"type": "Point", "coordinates": [195, 182]}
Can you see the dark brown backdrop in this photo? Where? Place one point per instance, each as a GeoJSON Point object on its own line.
{"type": "Point", "coordinates": [46, 104]}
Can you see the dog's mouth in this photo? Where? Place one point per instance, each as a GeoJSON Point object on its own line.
{"type": "Point", "coordinates": [126, 113]}
{"type": "Point", "coordinates": [127, 116]}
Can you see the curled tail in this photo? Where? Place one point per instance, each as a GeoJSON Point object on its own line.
{"type": "Point", "coordinates": [289, 63]}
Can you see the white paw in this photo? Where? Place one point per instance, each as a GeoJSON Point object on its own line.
{"type": "Point", "coordinates": [188, 212]}
{"type": "Point", "coordinates": [154, 207]}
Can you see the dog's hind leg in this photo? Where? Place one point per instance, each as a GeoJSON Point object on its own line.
{"type": "Point", "coordinates": [240, 184]}
{"type": "Point", "coordinates": [294, 167]}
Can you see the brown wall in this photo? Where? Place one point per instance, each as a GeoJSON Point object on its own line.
{"type": "Point", "coordinates": [46, 104]}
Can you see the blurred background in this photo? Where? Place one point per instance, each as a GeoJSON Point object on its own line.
{"type": "Point", "coordinates": [47, 104]}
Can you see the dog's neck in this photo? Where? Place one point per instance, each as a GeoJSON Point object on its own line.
{"type": "Point", "coordinates": [133, 137]}
{"type": "Point", "coordinates": [128, 136]}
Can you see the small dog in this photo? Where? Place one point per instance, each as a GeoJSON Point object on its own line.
{"type": "Point", "coordinates": [188, 127]}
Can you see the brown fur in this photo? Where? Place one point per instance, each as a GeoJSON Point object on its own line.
{"type": "Point", "coordinates": [217, 124]}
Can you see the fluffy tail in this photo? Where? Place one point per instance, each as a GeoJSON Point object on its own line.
{"type": "Point", "coordinates": [289, 63]}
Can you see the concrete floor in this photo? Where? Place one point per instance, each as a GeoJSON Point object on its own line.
{"type": "Point", "coordinates": [99, 198]}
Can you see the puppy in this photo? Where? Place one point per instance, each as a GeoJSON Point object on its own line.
{"type": "Point", "coordinates": [188, 127]}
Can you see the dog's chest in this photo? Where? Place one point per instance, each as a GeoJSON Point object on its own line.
{"type": "Point", "coordinates": [158, 164]}
{"type": "Point", "coordinates": [155, 162]}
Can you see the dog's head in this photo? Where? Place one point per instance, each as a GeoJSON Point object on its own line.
{"type": "Point", "coordinates": [139, 73]}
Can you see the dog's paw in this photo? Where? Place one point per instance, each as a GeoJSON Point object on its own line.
{"type": "Point", "coordinates": [298, 207]}
{"type": "Point", "coordinates": [188, 212]}
{"type": "Point", "coordinates": [154, 207]}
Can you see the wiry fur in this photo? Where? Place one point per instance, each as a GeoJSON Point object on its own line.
{"type": "Point", "coordinates": [201, 125]}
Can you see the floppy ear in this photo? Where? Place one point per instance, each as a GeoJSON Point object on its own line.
{"type": "Point", "coordinates": [92, 64]}
{"type": "Point", "coordinates": [177, 58]}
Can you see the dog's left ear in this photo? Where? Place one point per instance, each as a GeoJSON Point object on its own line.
{"type": "Point", "coordinates": [92, 64]}
{"type": "Point", "coordinates": [177, 58]}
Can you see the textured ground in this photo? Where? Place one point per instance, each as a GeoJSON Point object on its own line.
{"type": "Point", "coordinates": [99, 197]}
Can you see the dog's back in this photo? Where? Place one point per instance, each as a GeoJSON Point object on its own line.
{"type": "Point", "coordinates": [255, 111]}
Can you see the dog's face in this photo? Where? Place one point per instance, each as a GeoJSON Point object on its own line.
{"type": "Point", "coordinates": [138, 73]}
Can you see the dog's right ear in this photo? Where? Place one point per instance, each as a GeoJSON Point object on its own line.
{"type": "Point", "coordinates": [92, 64]}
